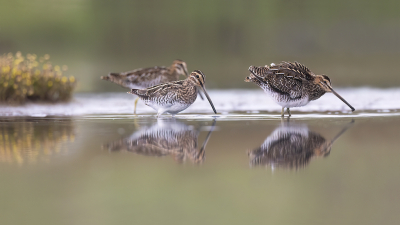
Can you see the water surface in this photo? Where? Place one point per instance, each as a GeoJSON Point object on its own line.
{"type": "Point", "coordinates": [225, 101]}
{"type": "Point", "coordinates": [196, 169]}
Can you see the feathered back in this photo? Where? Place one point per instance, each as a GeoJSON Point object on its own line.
{"type": "Point", "coordinates": [291, 70]}
{"type": "Point", "coordinates": [287, 81]}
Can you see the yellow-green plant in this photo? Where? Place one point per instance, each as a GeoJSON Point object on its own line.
{"type": "Point", "coordinates": [28, 78]}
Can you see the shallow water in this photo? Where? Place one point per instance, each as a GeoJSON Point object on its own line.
{"type": "Point", "coordinates": [238, 168]}
{"type": "Point", "coordinates": [225, 101]}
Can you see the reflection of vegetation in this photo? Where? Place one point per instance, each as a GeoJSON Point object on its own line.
{"type": "Point", "coordinates": [26, 141]}
{"type": "Point", "coordinates": [23, 78]}
{"type": "Point", "coordinates": [292, 146]}
{"type": "Point", "coordinates": [164, 138]}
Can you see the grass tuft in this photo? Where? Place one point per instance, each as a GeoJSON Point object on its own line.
{"type": "Point", "coordinates": [31, 79]}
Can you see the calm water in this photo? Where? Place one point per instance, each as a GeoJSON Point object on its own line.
{"type": "Point", "coordinates": [197, 169]}
{"type": "Point", "coordinates": [371, 100]}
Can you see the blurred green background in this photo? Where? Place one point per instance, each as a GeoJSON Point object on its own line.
{"type": "Point", "coordinates": [355, 42]}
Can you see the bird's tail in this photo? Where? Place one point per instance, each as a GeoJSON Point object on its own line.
{"type": "Point", "coordinates": [253, 76]}
{"type": "Point", "coordinates": [105, 77]}
{"type": "Point", "coordinates": [133, 91]}
{"type": "Point", "coordinates": [249, 78]}
{"type": "Point", "coordinates": [110, 76]}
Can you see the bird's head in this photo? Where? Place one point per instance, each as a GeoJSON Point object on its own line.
{"type": "Point", "coordinates": [198, 79]}
{"type": "Point", "coordinates": [324, 82]}
{"type": "Point", "coordinates": [180, 67]}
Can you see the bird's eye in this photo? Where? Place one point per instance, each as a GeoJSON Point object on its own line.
{"type": "Point", "coordinates": [197, 76]}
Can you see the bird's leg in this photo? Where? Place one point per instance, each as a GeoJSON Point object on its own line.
{"type": "Point", "coordinates": [160, 111]}
{"type": "Point", "coordinates": [288, 110]}
{"type": "Point", "coordinates": [283, 112]}
{"type": "Point", "coordinates": [136, 101]}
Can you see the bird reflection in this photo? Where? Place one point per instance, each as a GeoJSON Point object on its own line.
{"type": "Point", "coordinates": [166, 137]}
{"type": "Point", "coordinates": [292, 146]}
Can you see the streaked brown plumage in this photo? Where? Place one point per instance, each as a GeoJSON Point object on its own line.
{"type": "Point", "coordinates": [291, 84]}
{"type": "Point", "coordinates": [164, 138]}
{"type": "Point", "coordinates": [147, 77]}
{"type": "Point", "coordinates": [292, 146]}
{"type": "Point", "coordinates": [173, 97]}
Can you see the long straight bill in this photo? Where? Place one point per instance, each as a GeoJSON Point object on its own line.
{"type": "Point", "coordinates": [340, 97]}
{"type": "Point", "coordinates": [208, 98]}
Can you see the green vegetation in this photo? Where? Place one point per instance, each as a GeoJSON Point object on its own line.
{"type": "Point", "coordinates": [25, 78]}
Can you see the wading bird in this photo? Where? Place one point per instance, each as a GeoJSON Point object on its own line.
{"type": "Point", "coordinates": [174, 97]}
{"type": "Point", "coordinates": [291, 84]}
{"type": "Point", "coordinates": [147, 77]}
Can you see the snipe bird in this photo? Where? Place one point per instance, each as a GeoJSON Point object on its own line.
{"type": "Point", "coordinates": [147, 77]}
{"type": "Point", "coordinates": [291, 84]}
{"type": "Point", "coordinates": [174, 97]}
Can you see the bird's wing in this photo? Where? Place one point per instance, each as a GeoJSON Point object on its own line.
{"type": "Point", "coordinates": [140, 75]}
{"type": "Point", "coordinates": [159, 90]}
{"type": "Point", "coordinates": [293, 70]}
{"type": "Point", "coordinates": [280, 80]}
